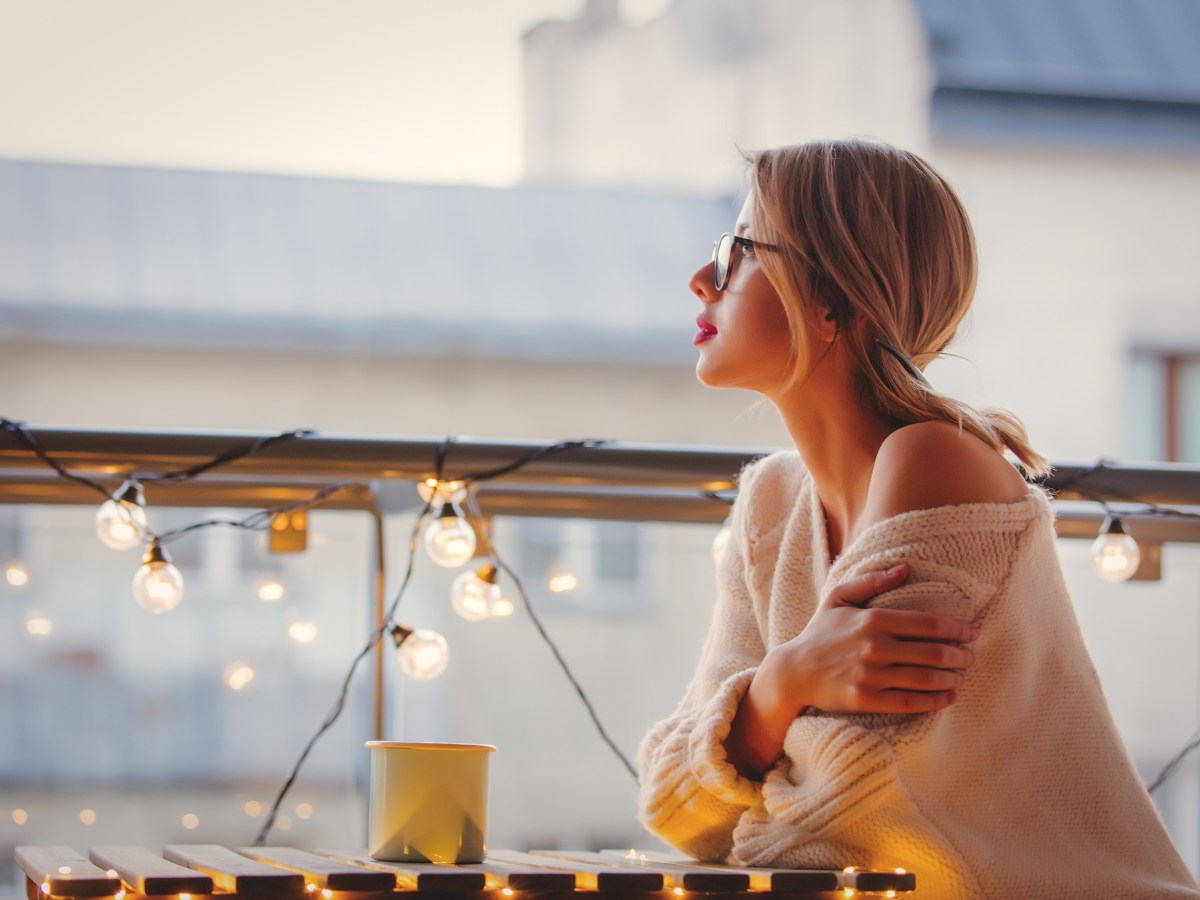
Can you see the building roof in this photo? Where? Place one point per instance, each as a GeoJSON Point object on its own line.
{"type": "Point", "coordinates": [181, 257]}
{"type": "Point", "coordinates": [1127, 71]}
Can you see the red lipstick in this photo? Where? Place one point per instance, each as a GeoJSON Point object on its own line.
{"type": "Point", "coordinates": [707, 331]}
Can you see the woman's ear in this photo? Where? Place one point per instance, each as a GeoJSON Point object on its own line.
{"type": "Point", "coordinates": [827, 326]}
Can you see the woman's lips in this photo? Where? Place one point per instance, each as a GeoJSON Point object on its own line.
{"type": "Point", "coordinates": [707, 331]}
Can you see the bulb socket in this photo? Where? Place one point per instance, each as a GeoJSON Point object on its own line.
{"type": "Point", "coordinates": [155, 555]}
{"type": "Point", "coordinates": [131, 494]}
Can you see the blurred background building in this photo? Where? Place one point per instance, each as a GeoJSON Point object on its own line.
{"type": "Point", "coordinates": [244, 294]}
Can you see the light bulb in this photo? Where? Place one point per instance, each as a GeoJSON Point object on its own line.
{"type": "Point", "coordinates": [423, 653]}
{"type": "Point", "coordinates": [121, 521]}
{"type": "Point", "coordinates": [157, 585]}
{"type": "Point", "coordinates": [439, 492]}
{"type": "Point", "coordinates": [720, 542]}
{"type": "Point", "coordinates": [1115, 555]}
{"type": "Point", "coordinates": [15, 574]}
{"type": "Point", "coordinates": [474, 595]}
{"type": "Point", "coordinates": [449, 539]}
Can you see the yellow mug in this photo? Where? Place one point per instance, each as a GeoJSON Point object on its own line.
{"type": "Point", "coordinates": [428, 802]}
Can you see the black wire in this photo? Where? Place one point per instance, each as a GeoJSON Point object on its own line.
{"type": "Point", "coordinates": [26, 437]}
{"type": "Point", "coordinates": [533, 457]}
{"type": "Point", "coordinates": [1169, 769]}
{"type": "Point", "coordinates": [259, 520]}
{"type": "Point", "coordinates": [340, 703]}
{"type": "Point", "coordinates": [537, 622]}
{"type": "Point", "coordinates": [228, 456]}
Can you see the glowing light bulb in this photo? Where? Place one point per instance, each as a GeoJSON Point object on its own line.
{"type": "Point", "coordinates": [15, 574]}
{"type": "Point", "coordinates": [474, 594]}
{"type": "Point", "coordinates": [503, 608]}
{"type": "Point", "coordinates": [238, 675]}
{"type": "Point", "coordinates": [720, 542]}
{"type": "Point", "coordinates": [449, 539]}
{"type": "Point", "coordinates": [437, 492]}
{"type": "Point", "coordinates": [423, 653]}
{"type": "Point", "coordinates": [157, 585]}
{"type": "Point", "coordinates": [121, 521]}
{"type": "Point", "coordinates": [1115, 555]}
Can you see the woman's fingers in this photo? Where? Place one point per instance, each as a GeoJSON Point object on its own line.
{"type": "Point", "coordinates": [890, 651]}
{"type": "Point", "coordinates": [864, 587]}
{"type": "Point", "coordinates": [918, 626]}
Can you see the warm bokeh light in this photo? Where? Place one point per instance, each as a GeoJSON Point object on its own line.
{"type": "Point", "coordinates": [87, 816]}
{"type": "Point", "coordinates": [238, 675]}
{"type": "Point", "coordinates": [191, 822]}
{"type": "Point", "coordinates": [562, 582]}
{"type": "Point", "coordinates": [304, 810]}
{"type": "Point", "coordinates": [271, 591]}
{"type": "Point", "coordinates": [36, 623]}
{"type": "Point", "coordinates": [19, 816]}
{"type": "Point", "coordinates": [15, 574]}
{"type": "Point", "coordinates": [302, 632]}
{"type": "Point", "coordinates": [253, 808]}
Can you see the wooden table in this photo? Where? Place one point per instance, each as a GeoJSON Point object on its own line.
{"type": "Point", "coordinates": [189, 871]}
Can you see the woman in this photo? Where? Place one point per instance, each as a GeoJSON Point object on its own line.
{"type": "Point", "coordinates": [893, 676]}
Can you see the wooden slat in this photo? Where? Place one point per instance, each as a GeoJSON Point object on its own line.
{"type": "Point", "coordinates": [588, 876]}
{"type": "Point", "coordinates": [776, 881]}
{"type": "Point", "coordinates": [675, 874]}
{"type": "Point", "coordinates": [232, 872]}
{"type": "Point", "coordinates": [63, 872]}
{"type": "Point", "coordinates": [875, 880]}
{"type": "Point", "coordinates": [416, 876]}
{"type": "Point", "coordinates": [145, 872]}
{"type": "Point", "coordinates": [321, 870]}
{"type": "Point", "coordinates": [516, 877]}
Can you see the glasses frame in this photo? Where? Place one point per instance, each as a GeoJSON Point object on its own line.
{"type": "Point", "coordinates": [722, 269]}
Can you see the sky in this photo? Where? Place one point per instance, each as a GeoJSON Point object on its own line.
{"type": "Point", "coordinates": [394, 90]}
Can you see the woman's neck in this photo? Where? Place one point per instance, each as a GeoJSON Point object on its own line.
{"type": "Point", "coordinates": [838, 439]}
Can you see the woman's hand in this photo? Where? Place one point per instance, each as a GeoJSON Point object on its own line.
{"type": "Point", "coordinates": [851, 660]}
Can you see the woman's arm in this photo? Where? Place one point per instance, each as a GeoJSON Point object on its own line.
{"type": "Point", "coordinates": [851, 660]}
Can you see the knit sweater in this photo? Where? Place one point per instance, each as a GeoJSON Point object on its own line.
{"type": "Point", "coordinates": [1021, 789]}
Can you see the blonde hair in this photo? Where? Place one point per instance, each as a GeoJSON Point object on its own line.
{"type": "Point", "coordinates": [875, 238]}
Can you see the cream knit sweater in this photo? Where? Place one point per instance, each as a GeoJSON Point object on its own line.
{"type": "Point", "coordinates": [1020, 790]}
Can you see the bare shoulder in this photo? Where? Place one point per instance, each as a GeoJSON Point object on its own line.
{"type": "Point", "coordinates": [932, 464]}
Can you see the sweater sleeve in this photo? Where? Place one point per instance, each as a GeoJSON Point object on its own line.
{"type": "Point", "coordinates": [843, 776]}
{"type": "Point", "coordinates": [690, 793]}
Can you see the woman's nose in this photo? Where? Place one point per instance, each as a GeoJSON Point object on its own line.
{"type": "Point", "coordinates": [701, 283]}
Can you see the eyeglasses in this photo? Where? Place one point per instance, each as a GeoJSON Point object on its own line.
{"type": "Point", "coordinates": [723, 255]}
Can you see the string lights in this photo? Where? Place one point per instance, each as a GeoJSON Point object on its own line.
{"type": "Point", "coordinates": [449, 538]}
{"type": "Point", "coordinates": [158, 584]}
{"type": "Point", "coordinates": [121, 520]}
{"type": "Point", "coordinates": [424, 654]}
{"type": "Point", "coordinates": [1115, 555]}
{"type": "Point", "coordinates": [475, 594]}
